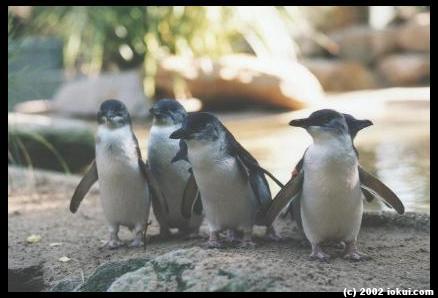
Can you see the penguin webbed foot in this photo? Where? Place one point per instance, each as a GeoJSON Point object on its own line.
{"type": "Point", "coordinates": [234, 236]}
{"type": "Point", "coordinates": [115, 243]}
{"type": "Point", "coordinates": [271, 235]}
{"type": "Point", "coordinates": [214, 240]}
{"type": "Point", "coordinates": [136, 243]}
{"type": "Point", "coordinates": [356, 256]}
{"type": "Point", "coordinates": [247, 244]}
{"type": "Point", "coordinates": [247, 241]}
{"type": "Point", "coordinates": [351, 253]}
{"type": "Point", "coordinates": [214, 244]}
{"type": "Point", "coordinates": [318, 254]}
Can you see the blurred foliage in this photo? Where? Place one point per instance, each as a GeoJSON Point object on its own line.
{"type": "Point", "coordinates": [107, 37]}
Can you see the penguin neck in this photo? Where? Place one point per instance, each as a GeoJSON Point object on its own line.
{"type": "Point", "coordinates": [333, 140]}
{"type": "Point", "coordinates": [202, 153]}
{"type": "Point", "coordinates": [164, 129]}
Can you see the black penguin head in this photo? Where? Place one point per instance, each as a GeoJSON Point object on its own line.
{"type": "Point", "coordinates": [355, 125]}
{"type": "Point", "coordinates": [168, 112]}
{"type": "Point", "coordinates": [199, 126]}
{"type": "Point", "coordinates": [113, 113]}
{"type": "Point", "coordinates": [326, 120]}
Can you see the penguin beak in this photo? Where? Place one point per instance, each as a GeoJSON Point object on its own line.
{"type": "Point", "coordinates": [304, 123]}
{"type": "Point", "coordinates": [178, 134]}
{"type": "Point", "coordinates": [365, 123]}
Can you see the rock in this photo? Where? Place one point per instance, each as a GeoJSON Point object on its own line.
{"type": "Point", "coordinates": [50, 143]}
{"type": "Point", "coordinates": [339, 75]}
{"type": "Point", "coordinates": [363, 43]}
{"type": "Point", "coordinates": [26, 278]}
{"type": "Point", "coordinates": [405, 69]}
{"type": "Point", "coordinates": [279, 83]}
{"type": "Point", "coordinates": [83, 97]}
{"type": "Point", "coordinates": [66, 285]}
{"type": "Point", "coordinates": [105, 274]}
{"type": "Point", "coordinates": [195, 269]}
{"type": "Point", "coordinates": [331, 18]}
{"type": "Point", "coordinates": [415, 34]}
{"type": "Point", "coordinates": [420, 221]}
{"type": "Point", "coordinates": [102, 278]}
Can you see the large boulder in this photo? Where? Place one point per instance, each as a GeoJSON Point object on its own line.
{"type": "Point", "coordinates": [363, 43]}
{"type": "Point", "coordinates": [405, 69]}
{"type": "Point", "coordinates": [197, 270]}
{"type": "Point", "coordinates": [50, 143]}
{"type": "Point", "coordinates": [339, 75]}
{"type": "Point", "coordinates": [102, 277]}
{"type": "Point", "coordinates": [279, 83]}
{"type": "Point", "coordinates": [415, 34]}
{"type": "Point", "coordinates": [82, 97]}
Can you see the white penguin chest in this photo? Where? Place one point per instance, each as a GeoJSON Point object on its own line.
{"type": "Point", "coordinates": [123, 190]}
{"type": "Point", "coordinates": [331, 204]}
{"type": "Point", "coordinates": [226, 194]}
{"type": "Point", "coordinates": [171, 177]}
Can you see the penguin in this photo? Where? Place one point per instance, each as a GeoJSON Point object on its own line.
{"type": "Point", "coordinates": [354, 126]}
{"type": "Point", "coordinates": [125, 182]}
{"type": "Point", "coordinates": [233, 187]}
{"type": "Point", "coordinates": [329, 186]}
{"type": "Point", "coordinates": [174, 179]}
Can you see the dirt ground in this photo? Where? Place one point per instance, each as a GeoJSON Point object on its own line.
{"type": "Point", "coordinates": [38, 204]}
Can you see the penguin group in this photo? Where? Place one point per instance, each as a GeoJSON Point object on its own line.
{"type": "Point", "coordinates": [196, 170]}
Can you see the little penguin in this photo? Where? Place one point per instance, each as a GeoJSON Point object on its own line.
{"type": "Point", "coordinates": [329, 186]}
{"type": "Point", "coordinates": [232, 185]}
{"type": "Point", "coordinates": [125, 182]}
{"type": "Point", "coordinates": [174, 179]}
{"type": "Point", "coordinates": [354, 126]}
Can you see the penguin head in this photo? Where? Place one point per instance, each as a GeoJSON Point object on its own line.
{"type": "Point", "coordinates": [355, 125]}
{"type": "Point", "coordinates": [113, 114]}
{"type": "Point", "coordinates": [168, 112]}
{"type": "Point", "coordinates": [198, 127]}
{"type": "Point", "coordinates": [324, 122]}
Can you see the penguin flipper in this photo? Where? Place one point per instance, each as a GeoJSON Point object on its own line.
{"type": "Point", "coordinates": [182, 152]}
{"type": "Point", "coordinates": [289, 193]}
{"type": "Point", "coordinates": [84, 186]}
{"type": "Point", "coordinates": [384, 192]}
{"type": "Point", "coordinates": [159, 204]}
{"type": "Point", "coordinates": [190, 196]}
{"type": "Point", "coordinates": [258, 182]}
{"type": "Point", "coordinates": [369, 196]}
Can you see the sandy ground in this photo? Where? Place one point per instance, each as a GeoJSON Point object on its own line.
{"type": "Point", "coordinates": [38, 204]}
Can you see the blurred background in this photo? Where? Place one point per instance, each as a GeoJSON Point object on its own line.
{"type": "Point", "coordinates": [255, 67]}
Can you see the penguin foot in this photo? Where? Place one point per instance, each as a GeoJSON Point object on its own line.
{"type": "Point", "coordinates": [247, 244]}
{"type": "Point", "coordinates": [214, 244]}
{"type": "Point", "coordinates": [320, 256]}
{"type": "Point", "coordinates": [351, 252]}
{"type": "Point", "coordinates": [114, 244]}
{"type": "Point", "coordinates": [272, 236]}
{"type": "Point", "coordinates": [356, 256]}
{"type": "Point", "coordinates": [136, 243]}
{"type": "Point", "coordinates": [234, 236]}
